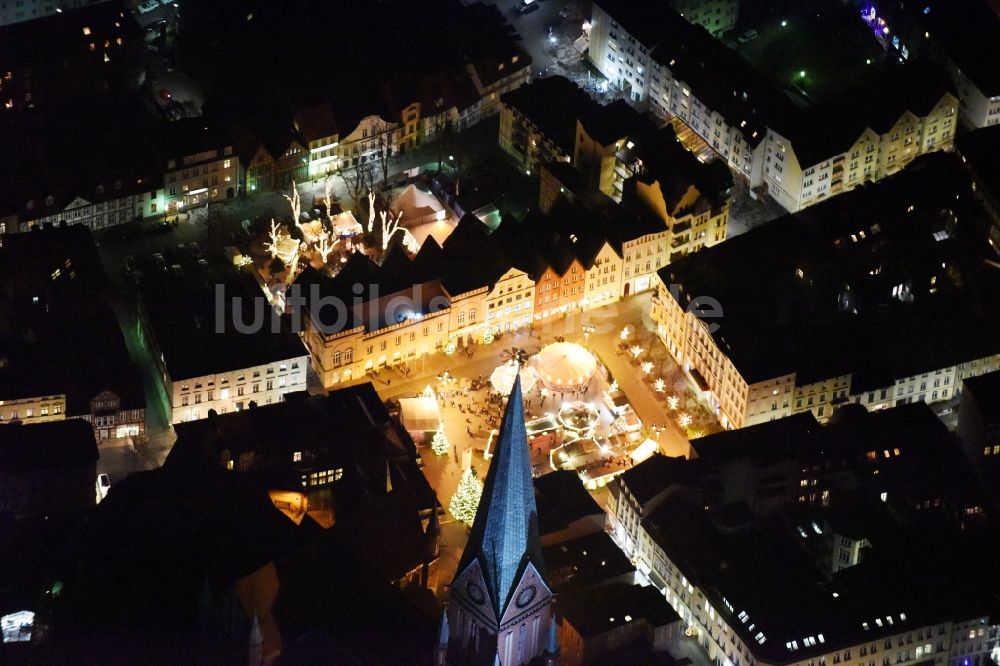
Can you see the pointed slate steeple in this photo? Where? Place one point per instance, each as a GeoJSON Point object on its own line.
{"type": "Point", "coordinates": [504, 536]}
{"type": "Point", "coordinates": [443, 637]}
{"type": "Point", "coordinates": [255, 643]}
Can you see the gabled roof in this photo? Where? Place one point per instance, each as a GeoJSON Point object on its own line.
{"type": "Point", "coordinates": [916, 87]}
{"type": "Point", "coordinates": [557, 121]}
{"type": "Point", "coordinates": [504, 536]}
{"type": "Point", "coordinates": [316, 121]}
{"type": "Point", "coordinates": [471, 257]}
{"type": "Point", "coordinates": [562, 500]}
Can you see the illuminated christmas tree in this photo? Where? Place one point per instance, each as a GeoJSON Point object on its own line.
{"type": "Point", "coordinates": [439, 444]}
{"type": "Point", "coordinates": [465, 501]}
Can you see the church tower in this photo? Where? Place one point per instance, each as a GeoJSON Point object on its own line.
{"type": "Point", "coordinates": [500, 603]}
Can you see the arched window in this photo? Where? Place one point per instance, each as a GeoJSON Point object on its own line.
{"type": "Point", "coordinates": [472, 314]}
{"type": "Point", "coordinates": [461, 318]}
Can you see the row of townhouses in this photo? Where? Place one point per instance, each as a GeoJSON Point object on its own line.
{"type": "Point", "coordinates": [879, 297]}
{"type": "Point", "coordinates": [581, 250]}
{"type": "Point", "coordinates": [132, 167]}
{"type": "Point", "coordinates": [679, 72]}
{"type": "Point", "coordinates": [769, 543]}
{"type": "Point", "coordinates": [616, 151]}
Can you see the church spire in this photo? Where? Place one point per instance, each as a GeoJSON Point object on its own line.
{"type": "Point", "coordinates": [504, 535]}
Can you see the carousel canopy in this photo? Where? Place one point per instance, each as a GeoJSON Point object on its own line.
{"type": "Point", "coordinates": [565, 366]}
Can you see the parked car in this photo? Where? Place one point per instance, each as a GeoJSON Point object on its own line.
{"type": "Point", "coordinates": [103, 486]}
{"type": "Point", "coordinates": [148, 6]}
{"type": "Point", "coordinates": [160, 262]}
{"type": "Point", "coordinates": [527, 6]}
{"type": "Point", "coordinates": [747, 36]}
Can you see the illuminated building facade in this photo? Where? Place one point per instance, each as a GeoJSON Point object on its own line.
{"type": "Point", "coordinates": [36, 409]}
{"type": "Point", "coordinates": [105, 206]}
{"type": "Point", "coordinates": [206, 362]}
{"type": "Point", "coordinates": [771, 469]}
{"type": "Point", "coordinates": [202, 167]}
{"type": "Point", "coordinates": [716, 16]}
{"type": "Point", "coordinates": [798, 156]}
{"type": "Point", "coordinates": [18, 11]}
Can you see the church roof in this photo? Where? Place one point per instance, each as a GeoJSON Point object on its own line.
{"type": "Point", "coordinates": [504, 534]}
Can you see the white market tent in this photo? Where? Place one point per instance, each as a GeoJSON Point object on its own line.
{"type": "Point", "coordinates": [418, 207]}
{"type": "Point", "coordinates": [565, 366]}
{"type": "Point", "coordinates": [643, 451]}
{"type": "Point", "coordinates": [345, 224]}
{"type": "Point", "coordinates": [502, 378]}
{"type": "Point", "coordinates": [420, 414]}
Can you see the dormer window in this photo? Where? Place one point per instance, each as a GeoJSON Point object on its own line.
{"type": "Point", "coordinates": [100, 189]}
{"type": "Point", "coordinates": [49, 200]}
{"type": "Point", "coordinates": [31, 205]}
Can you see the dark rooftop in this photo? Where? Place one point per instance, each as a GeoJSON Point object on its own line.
{"type": "Point", "coordinates": [562, 500]}
{"type": "Point", "coordinates": [825, 305]}
{"type": "Point", "coordinates": [912, 431]}
{"type": "Point", "coordinates": [556, 121]}
{"type": "Point", "coordinates": [979, 150]}
{"type": "Point", "coordinates": [966, 29]}
{"type": "Point", "coordinates": [595, 611]}
{"type": "Point", "coordinates": [646, 480]}
{"type": "Point", "coordinates": [185, 317]}
{"type": "Point", "coordinates": [762, 573]}
{"type": "Point", "coordinates": [53, 296]}
{"type": "Point", "coordinates": [591, 560]}
{"type": "Point", "coordinates": [985, 389]}
{"type": "Point", "coordinates": [877, 104]}
{"type": "Point", "coordinates": [46, 446]}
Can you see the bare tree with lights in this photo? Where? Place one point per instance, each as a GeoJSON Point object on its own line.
{"type": "Point", "coordinates": [357, 181]}
{"type": "Point", "coordinates": [391, 226]}
{"type": "Point", "coordinates": [371, 211]}
{"type": "Point", "coordinates": [383, 147]}
{"type": "Point", "coordinates": [296, 205]}
{"type": "Point", "coordinates": [325, 246]}
{"type": "Point", "coordinates": [273, 235]}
